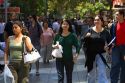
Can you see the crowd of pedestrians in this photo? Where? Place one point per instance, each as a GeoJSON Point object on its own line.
{"type": "Point", "coordinates": [92, 34]}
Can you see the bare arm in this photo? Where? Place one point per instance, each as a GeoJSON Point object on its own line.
{"type": "Point", "coordinates": [6, 51]}
{"type": "Point", "coordinates": [41, 40]}
{"type": "Point", "coordinates": [5, 35]}
{"type": "Point", "coordinates": [28, 43]}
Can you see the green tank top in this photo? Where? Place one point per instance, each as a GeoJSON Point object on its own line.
{"type": "Point", "coordinates": [15, 49]}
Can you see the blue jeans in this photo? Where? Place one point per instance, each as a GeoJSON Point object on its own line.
{"type": "Point", "coordinates": [98, 72]}
{"type": "Point", "coordinates": [118, 64]}
{"type": "Point", "coordinates": [60, 64]}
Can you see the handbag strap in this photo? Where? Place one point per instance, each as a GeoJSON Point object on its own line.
{"type": "Point", "coordinates": [23, 46]}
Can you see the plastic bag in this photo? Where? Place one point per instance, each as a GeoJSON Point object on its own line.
{"type": "Point", "coordinates": [8, 77]}
{"type": "Point", "coordinates": [57, 53]}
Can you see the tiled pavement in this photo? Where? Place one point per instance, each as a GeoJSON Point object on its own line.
{"type": "Point", "coordinates": [48, 72]}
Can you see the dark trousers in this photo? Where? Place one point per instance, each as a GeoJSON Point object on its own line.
{"type": "Point", "coordinates": [1, 37]}
{"type": "Point", "coordinates": [118, 64]}
{"type": "Point", "coordinates": [20, 71]}
{"type": "Point", "coordinates": [68, 65]}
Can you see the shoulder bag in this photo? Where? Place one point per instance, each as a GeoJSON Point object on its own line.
{"type": "Point", "coordinates": [32, 56]}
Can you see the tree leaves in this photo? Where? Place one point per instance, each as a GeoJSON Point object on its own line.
{"type": "Point", "coordinates": [60, 7]}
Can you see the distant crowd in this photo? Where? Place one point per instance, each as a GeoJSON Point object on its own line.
{"type": "Point", "coordinates": [98, 38]}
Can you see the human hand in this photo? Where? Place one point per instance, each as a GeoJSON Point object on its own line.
{"type": "Point", "coordinates": [110, 51]}
{"type": "Point", "coordinates": [75, 57]}
{"type": "Point", "coordinates": [88, 34]}
{"type": "Point", "coordinates": [124, 58]}
{"type": "Point", "coordinates": [113, 45]}
{"type": "Point", "coordinates": [55, 46]}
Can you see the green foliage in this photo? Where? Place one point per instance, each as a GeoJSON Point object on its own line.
{"type": "Point", "coordinates": [69, 14]}
{"type": "Point", "coordinates": [58, 8]}
{"type": "Point", "coordinates": [40, 7]}
{"type": "Point", "coordinates": [90, 9]}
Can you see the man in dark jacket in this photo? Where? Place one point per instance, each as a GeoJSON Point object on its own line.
{"type": "Point", "coordinates": [8, 26]}
{"type": "Point", "coordinates": [118, 51]}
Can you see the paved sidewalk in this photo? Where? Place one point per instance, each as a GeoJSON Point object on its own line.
{"type": "Point", "coordinates": [48, 72]}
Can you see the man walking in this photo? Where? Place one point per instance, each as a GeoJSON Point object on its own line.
{"type": "Point", "coordinates": [118, 50]}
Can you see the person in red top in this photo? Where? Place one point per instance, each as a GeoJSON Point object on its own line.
{"type": "Point", "coordinates": [118, 50]}
{"type": "Point", "coordinates": [120, 33]}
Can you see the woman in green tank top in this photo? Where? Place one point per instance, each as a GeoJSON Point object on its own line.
{"type": "Point", "coordinates": [14, 48]}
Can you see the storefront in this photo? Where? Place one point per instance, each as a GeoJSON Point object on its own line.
{"type": "Point", "coordinates": [120, 4]}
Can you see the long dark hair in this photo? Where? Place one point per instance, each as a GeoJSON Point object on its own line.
{"type": "Point", "coordinates": [34, 17]}
{"type": "Point", "coordinates": [70, 26]}
{"type": "Point", "coordinates": [24, 29]}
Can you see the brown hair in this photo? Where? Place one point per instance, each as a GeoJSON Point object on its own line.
{"type": "Point", "coordinates": [121, 12]}
{"type": "Point", "coordinates": [24, 29]}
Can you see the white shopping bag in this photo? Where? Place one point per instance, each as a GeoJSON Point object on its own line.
{"type": "Point", "coordinates": [57, 53]}
{"type": "Point", "coordinates": [8, 77]}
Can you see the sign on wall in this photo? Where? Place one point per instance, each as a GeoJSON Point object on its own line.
{"type": "Point", "coordinates": [118, 3]}
{"type": "Point", "coordinates": [13, 9]}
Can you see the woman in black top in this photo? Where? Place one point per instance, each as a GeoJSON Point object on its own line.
{"type": "Point", "coordinates": [96, 41]}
